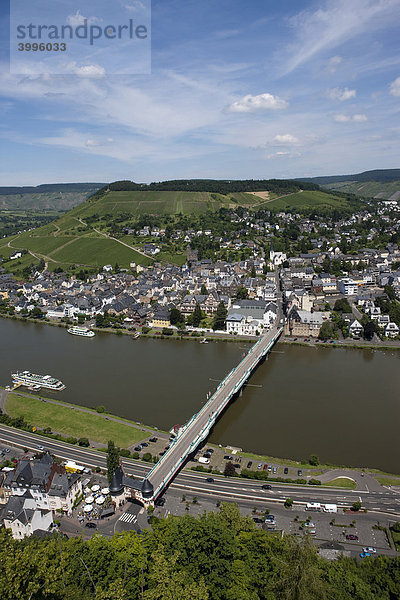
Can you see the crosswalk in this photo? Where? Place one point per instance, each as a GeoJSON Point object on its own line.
{"type": "Point", "coordinates": [128, 518]}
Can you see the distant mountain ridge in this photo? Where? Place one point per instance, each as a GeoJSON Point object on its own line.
{"type": "Point", "coordinates": [44, 188]}
{"type": "Point", "coordinates": [379, 175]}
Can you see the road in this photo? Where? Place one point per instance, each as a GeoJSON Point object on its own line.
{"type": "Point", "coordinates": [199, 426]}
{"type": "Point", "coordinates": [232, 489]}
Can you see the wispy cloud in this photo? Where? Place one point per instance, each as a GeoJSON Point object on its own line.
{"type": "Point", "coordinates": [261, 102]}
{"type": "Point", "coordinates": [337, 21]}
{"type": "Point", "coordinates": [395, 87]}
{"type": "Point", "coordinates": [357, 118]}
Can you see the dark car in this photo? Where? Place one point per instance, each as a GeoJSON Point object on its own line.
{"type": "Point", "coordinates": [91, 525]}
{"type": "Point", "coordinates": [286, 470]}
{"type": "Point", "coordinates": [138, 448]}
{"type": "Point", "coordinates": [236, 466]}
{"type": "Point", "coordinates": [144, 444]}
{"type": "Point", "coordinates": [299, 473]}
{"type": "Point", "coordinates": [266, 486]}
{"type": "Point", "coordinates": [351, 536]}
{"type": "Point", "coordinates": [160, 502]}
{"type": "Point", "coordinates": [210, 480]}
{"type": "Point", "coordinates": [227, 457]}
{"type": "Point", "coordinates": [249, 464]}
{"type": "Point", "coordinates": [257, 520]}
{"type": "Point", "coordinates": [207, 455]}
{"type": "Point", "coordinates": [162, 453]}
{"type": "Point", "coordinates": [153, 439]}
{"type": "Point", "coordinates": [210, 450]}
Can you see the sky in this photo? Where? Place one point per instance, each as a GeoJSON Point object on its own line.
{"type": "Point", "coordinates": [237, 89]}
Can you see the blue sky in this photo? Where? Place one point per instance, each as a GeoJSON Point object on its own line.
{"type": "Point", "coordinates": [254, 89]}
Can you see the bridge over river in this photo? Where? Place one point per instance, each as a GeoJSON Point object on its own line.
{"type": "Point", "coordinates": [198, 427]}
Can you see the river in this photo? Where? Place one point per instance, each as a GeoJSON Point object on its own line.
{"type": "Point", "coordinates": [340, 404]}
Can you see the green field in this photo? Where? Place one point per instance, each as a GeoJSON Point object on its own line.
{"type": "Point", "coordinates": [367, 189]}
{"type": "Point", "coordinates": [342, 482]}
{"type": "Point", "coordinates": [308, 200]}
{"type": "Point", "coordinates": [71, 422]}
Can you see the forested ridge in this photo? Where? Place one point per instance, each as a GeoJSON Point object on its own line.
{"type": "Point", "coordinates": [220, 556]}
{"type": "Point", "coordinates": [280, 186]}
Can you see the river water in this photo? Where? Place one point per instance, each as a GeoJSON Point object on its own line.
{"type": "Point", "coordinates": [341, 404]}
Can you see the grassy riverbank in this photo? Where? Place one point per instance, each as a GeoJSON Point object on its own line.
{"type": "Point", "coordinates": [71, 421]}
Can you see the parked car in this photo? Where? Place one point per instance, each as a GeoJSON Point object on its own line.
{"type": "Point", "coordinates": [236, 466]}
{"type": "Point", "coordinates": [144, 444]}
{"type": "Point", "coordinates": [270, 519]}
{"type": "Point", "coordinates": [274, 470]}
{"type": "Point", "coordinates": [257, 520]}
{"type": "Point", "coordinates": [269, 468]}
{"type": "Point", "coordinates": [259, 466]}
{"type": "Point", "coordinates": [8, 449]}
{"type": "Point", "coordinates": [286, 470]}
{"type": "Point", "coordinates": [207, 455]}
{"type": "Point", "coordinates": [249, 464]}
{"type": "Point", "coordinates": [227, 457]}
{"type": "Point", "coordinates": [266, 486]}
{"type": "Point", "coordinates": [369, 549]}
{"type": "Point", "coordinates": [138, 448]}
{"type": "Point", "coordinates": [364, 554]}
{"type": "Point", "coordinates": [153, 439]}
{"type": "Point", "coordinates": [265, 467]}
{"type": "Point", "coordinates": [299, 473]}
{"type": "Point", "coordinates": [91, 525]}
{"type": "Point", "coordinates": [160, 502]}
{"type": "Point", "coordinates": [211, 450]}
{"type": "Point", "coordinates": [350, 536]}
{"type": "Point", "coordinates": [39, 447]}
{"type": "Point", "coordinates": [309, 524]}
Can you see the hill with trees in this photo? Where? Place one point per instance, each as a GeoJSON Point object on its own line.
{"type": "Point", "coordinates": [222, 556]}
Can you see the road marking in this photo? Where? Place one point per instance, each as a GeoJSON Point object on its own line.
{"type": "Point", "coordinates": [128, 518]}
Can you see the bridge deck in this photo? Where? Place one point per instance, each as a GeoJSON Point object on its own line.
{"type": "Point", "coordinates": [200, 424]}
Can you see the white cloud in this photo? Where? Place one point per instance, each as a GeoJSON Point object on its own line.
{"type": "Point", "coordinates": [286, 138]}
{"type": "Point", "coordinates": [395, 87]}
{"type": "Point", "coordinates": [283, 155]}
{"type": "Point", "coordinates": [135, 5]}
{"type": "Point", "coordinates": [357, 118]}
{"type": "Point", "coordinates": [338, 94]}
{"type": "Point", "coordinates": [251, 103]}
{"type": "Point", "coordinates": [93, 71]}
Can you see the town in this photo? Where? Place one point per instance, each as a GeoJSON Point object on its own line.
{"type": "Point", "coordinates": [338, 278]}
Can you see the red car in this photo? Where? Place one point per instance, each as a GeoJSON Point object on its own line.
{"type": "Point", "coordinates": [265, 467]}
{"type": "Point", "coordinates": [350, 536]}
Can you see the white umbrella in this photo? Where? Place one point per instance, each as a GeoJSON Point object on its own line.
{"type": "Point", "coordinates": [89, 500]}
{"type": "Point", "coordinates": [105, 491]}
{"type": "Point", "coordinates": [100, 500]}
{"type": "Point", "coordinates": [95, 488]}
{"type": "Point", "coordinates": [88, 508]}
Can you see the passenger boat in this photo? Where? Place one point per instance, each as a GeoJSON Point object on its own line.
{"type": "Point", "coordinates": [82, 331]}
{"type": "Point", "coordinates": [33, 381]}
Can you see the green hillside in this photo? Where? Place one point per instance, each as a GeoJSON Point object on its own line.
{"type": "Point", "coordinates": [94, 233]}
{"type": "Point", "coordinates": [56, 197]}
{"type": "Point", "coordinates": [368, 189]}
{"type": "Point", "coordinates": [310, 200]}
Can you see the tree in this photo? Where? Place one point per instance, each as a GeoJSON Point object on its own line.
{"type": "Point", "coordinates": [112, 459]}
{"type": "Point", "coordinates": [220, 317]}
{"type": "Point", "coordinates": [389, 291]}
{"type": "Point", "coordinates": [175, 316]}
{"type": "Point", "coordinates": [253, 272]}
{"type": "Point", "coordinates": [203, 290]}
{"type": "Point", "coordinates": [229, 470]}
{"type": "Point", "coordinates": [370, 328]}
{"type": "Point", "coordinates": [342, 305]}
{"type": "Point", "coordinates": [356, 505]}
{"type": "Point", "coordinates": [36, 313]}
{"type": "Point", "coordinates": [197, 316]}
{"type": "Point", "coordinates": [288, 503]}
{"type": "Point", "coordinates": [241, 293]}
{"type": "Point", "coordinates": [313, 460]}
{"type": "Point", "coordinates": [326, 331]}
{"type": "Point", "coordinates": [83, 441]}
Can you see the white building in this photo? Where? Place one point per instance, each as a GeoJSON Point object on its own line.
{"type": "Point", "coordinates": [347, 286]}
{"type": "Point", "coordinates": [23, 516]}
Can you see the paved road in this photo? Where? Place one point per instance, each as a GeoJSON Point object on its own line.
{"type": "Point", "coordinates": [199, 426]}
{"type": "Point", "coordinates": [234, 489]}
{"type": "Point", "coordinates": [3, 396]}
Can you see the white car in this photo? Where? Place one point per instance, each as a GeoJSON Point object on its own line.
{"type": "Point", "coordinates": [310, 524]}
{"type": "Point", "coordinates": [369, 549]}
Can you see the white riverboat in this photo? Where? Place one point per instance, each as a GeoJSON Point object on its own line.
{"type": "Point", "coordinates": [82, 331]}
{"type": "Point", "coordinates": [33, 381]}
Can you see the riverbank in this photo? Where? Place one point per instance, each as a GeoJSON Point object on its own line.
{"type": "Point", "coordinates": [80, 422]}
{"type": "Point", "coordinates": [156, 333]}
